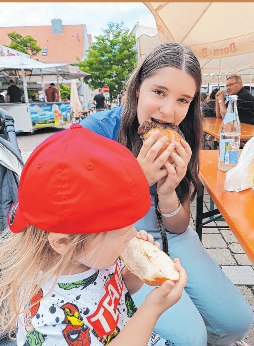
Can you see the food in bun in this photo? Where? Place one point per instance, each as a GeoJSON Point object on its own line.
{"type": "Point", "coordinates": [147, 128]}
{"type": "Point", "coordinates": [148, 262]}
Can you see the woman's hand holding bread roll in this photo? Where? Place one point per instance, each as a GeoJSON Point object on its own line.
{"type": "Point", "coordinates": [164, 152]}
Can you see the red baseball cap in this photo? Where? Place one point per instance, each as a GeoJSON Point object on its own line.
{"type": "Point", "coordinates": [79, 182]}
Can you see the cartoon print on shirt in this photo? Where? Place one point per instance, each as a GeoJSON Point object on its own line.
{"type": "Point", "coordinates": [33, 337]}
{"type": "Point", "coordinates": [104, 320]}
{"type": "Point", "coordinates": [84, 283]}
{"type": "Point", "coordinates": [106, 339]}
{"type": "Point", "coordinates": [76, 332]}
{"type": "Point", "coordinates": [130, 305]}
{"type": "Point", "coordinates": [89, 310]}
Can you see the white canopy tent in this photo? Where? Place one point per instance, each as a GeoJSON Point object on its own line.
{"type": "Point", "coordinates": [221, 34]}
{"type": "Point", "coordinates": [146, 39]}
{"type": "Point", "coordinates": [29, 116]}
{"type": "Point", "coordinates": [30, 70]}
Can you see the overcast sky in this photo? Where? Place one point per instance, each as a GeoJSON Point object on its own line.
{"type": "Point", "coordinates": [95, 15]}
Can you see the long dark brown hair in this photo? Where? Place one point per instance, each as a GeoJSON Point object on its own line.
{"type": "Point", "coordinates": [167, 54]}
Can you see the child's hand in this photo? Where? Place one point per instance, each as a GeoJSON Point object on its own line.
{"type": "Point", "coordinates": [162, 298]}
{"type": "Point", "coordinates": [148, 237]}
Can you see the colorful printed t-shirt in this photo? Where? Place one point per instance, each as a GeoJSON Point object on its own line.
{"type": "Point", "coordinates": [84, 309]}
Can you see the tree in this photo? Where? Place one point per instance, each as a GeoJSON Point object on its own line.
{"type": "Point", "coordinates": [111, 59]}
{"type": "Point", "coordinates": [26, 44]}
{"type": "Point", "coordinates": [65, 91]}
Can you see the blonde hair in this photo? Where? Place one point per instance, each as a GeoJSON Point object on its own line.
{"type": "Point", "coordinates": [236, 77]}
{"type": "Point", "coordinates": [26, 261]}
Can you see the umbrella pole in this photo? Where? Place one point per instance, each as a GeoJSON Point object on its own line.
{"type": "Point", "coordinates": [219, 73]}
{"type": "Point", "coordinates": [43, 87]}
{"type": "Point", "coordinates": [24, 85]}
{"type": "Point", "coordinates": [57, 82]}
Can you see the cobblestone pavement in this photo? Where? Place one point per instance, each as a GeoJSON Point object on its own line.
{"type": "Point", "coordinates": [219, 241]}
{"type": "Point", "coordinates": [224, 247]}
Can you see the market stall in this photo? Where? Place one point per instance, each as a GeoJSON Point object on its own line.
{"type": "Point", "coordinates": [29, 116]}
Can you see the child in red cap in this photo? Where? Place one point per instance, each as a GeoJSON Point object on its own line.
{"type": "Point", "coordinates": [62, 278]}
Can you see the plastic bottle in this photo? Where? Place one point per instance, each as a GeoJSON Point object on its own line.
{"type": "Point", "coordinates": [229, 136]}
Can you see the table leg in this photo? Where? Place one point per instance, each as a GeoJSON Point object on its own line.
{"type": "Point", "coordinates": [211, 206]}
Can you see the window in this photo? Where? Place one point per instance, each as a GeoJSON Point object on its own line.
{"type": "Point", "coordinates": [44, 51]}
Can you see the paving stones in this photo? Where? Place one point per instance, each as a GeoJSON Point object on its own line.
{"type": "Point", "coordinates": [228, 236]}
{"type": "Point", "coordinates": [235, 248]}
{"type": "Point", "coordinates": [224, 247]}
{"type": "Point", "coordinates": [223, 257]}
{"type": "Point", "coordinates": [213, 241]}
{"type": "Point", "coordinates": [243, 275]}
{"type": "Point", "coordinates": [242, 259]}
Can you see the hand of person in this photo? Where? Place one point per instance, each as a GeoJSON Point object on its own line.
{"type": "Point", "coordinates": [162, 298]}
{"type": "Point", "coordinates": [177, 170]}
{"type": "Point", "coordinates": [148, 237]}
{"type": "Point", "coordinates": [153, 167]}
{"type": "Point", "coordinates": [220, 95]}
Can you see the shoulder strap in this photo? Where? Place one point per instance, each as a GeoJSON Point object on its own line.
{"type": "Point", "coordinates": [163, 232]}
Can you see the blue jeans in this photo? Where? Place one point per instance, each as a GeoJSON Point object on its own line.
{"type": "Point", "coordinates": [211, 308]}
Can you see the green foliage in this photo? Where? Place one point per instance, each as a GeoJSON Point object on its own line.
{"type": "Point", "coordinates": [26, 44]}
{"type": "Point", "coordinates": [65, 91]}
{"type": "Point", "coordinates": [111, 59]}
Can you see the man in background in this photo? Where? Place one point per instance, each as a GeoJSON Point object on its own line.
{"type": "Point", "coordinates": [52, 93]}
{"type": "Point", "coordinates": [99, 101]}
{"type": "Point", "coordinates": [13, 93]}
{"type": "Point", "coordinates": [245, 101]}
{"type": "Point", "coordinates": [119, 98]}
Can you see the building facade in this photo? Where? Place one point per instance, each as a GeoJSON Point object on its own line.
{"type": "Point", "coordinates": [60, 43]}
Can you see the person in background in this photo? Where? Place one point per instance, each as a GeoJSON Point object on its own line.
{"type": "Point", "coordinates": [62, 280]}
{"type": "Point", "coordinates": [119, 98]}
{"type": "Point", "coordinates": [13, 93]}
{"type": "Point", "coordinates": [208, 97]}
{"type": "Point", "coordinates": [48, 93]}
{"type": "Point", "coordinates": [55, 93]}
{"type": "Point", "coordinates": [123, 99]}
{"type": "Point", "coordinates": [99, 101]}
{"type": "Point", "coordinates": [85, 109]}
{"type": "Point", "coordinates": [166, 87]}
{"type": "Point", "coordinates": [91, 106]}
{"type": "Point", "coordinates": [209, 112]}
{"type": "Point", "coordinates": [52, 93]}
{"type": "Point", "coordinates": [203, 97]}
{"type": "Point", "coordinates": [209, 107]}
{"type": "Point", "coordinates": [245, 101]}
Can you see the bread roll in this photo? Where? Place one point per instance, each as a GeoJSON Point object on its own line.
{"type": "Point", "coordinates": [148, 262]}
{"type": "Point", "coordinates": [171, 134]}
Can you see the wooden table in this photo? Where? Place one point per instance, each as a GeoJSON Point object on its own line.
{"type": "Point", "coordinates": [237, 208]}
{"type": "Point", "coordinates": [212, 126]}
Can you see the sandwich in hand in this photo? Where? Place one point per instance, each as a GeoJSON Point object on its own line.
{"type": "Point", "coordinates": [147, 128]}
{"type": "Point", "coordinates": [148, 262]}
